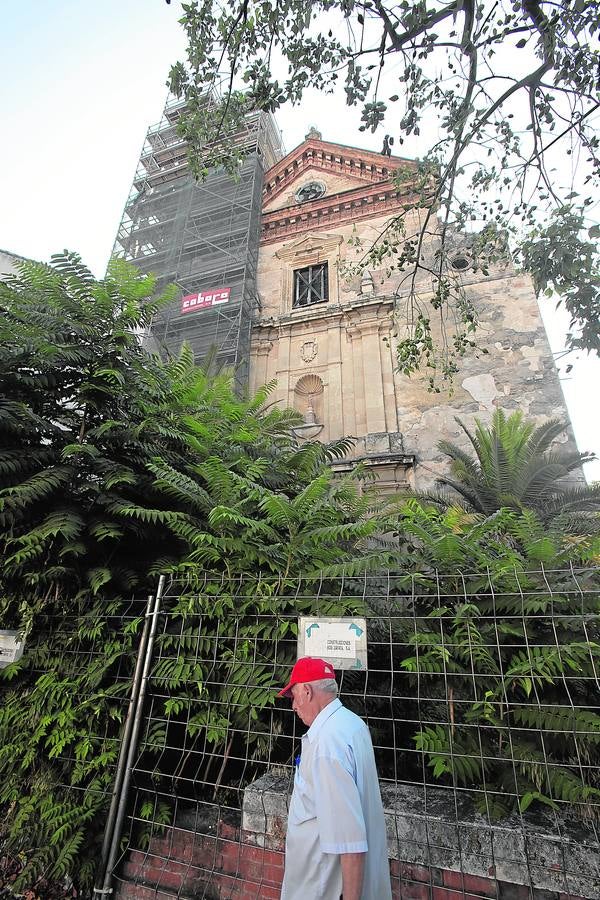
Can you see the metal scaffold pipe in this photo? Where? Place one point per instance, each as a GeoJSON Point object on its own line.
{"type": "Point", "coordinates": [116, 814]}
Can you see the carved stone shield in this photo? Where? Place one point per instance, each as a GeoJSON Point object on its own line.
{"type": "Point", "coordinates": [309, 351]}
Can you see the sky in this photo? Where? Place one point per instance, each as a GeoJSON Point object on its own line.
{"type": "Point", "coordinates": [82, 82]}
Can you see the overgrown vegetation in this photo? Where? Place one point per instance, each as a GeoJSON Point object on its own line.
{"type": "Point", "coordinates": [519, 465]}
{"type": "Point", "coordinates": [116, 465]}
{"type": "Point", "coordinates": [503, 656]}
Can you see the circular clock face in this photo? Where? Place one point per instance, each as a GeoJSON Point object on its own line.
{"type": "Point", "coordinates": [312, 190]}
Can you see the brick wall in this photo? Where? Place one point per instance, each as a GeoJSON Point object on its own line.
{"type": "Point", "coordinates": [214, 866]}
{"type": "Point", "coordinates": [229, 865]}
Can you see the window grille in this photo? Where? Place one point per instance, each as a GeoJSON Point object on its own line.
{"type": "Point", "coordinates": [311, 285]}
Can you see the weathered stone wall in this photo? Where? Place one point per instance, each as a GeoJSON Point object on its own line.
{"type": "Point", "coordinates": [438, 850]}
{"type": "Point", "coordinates": [348, 344]}
{"type": "Point", "coordinates": [7, 263]}
{"type": "Point", "coordinates": [435, 835]}
{"type": "Point", "coordinates": [516, 372]}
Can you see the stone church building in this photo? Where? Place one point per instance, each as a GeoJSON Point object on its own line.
{"type": "Point", "coordinates": [260, 263]}
{"type": "Point", "coordinates": [328, 340]}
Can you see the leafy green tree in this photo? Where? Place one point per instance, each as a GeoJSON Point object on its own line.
{"type": "Point", "coordinates": [110, 458]}
{"type": "Point", "coordinates": [83, 410]}
{"type": "Point", "coordinates": [518, 466]}
{"type": "Point", "coordinates": [512, 90]}
{"type": "Point", "coordinates": [115, 466]}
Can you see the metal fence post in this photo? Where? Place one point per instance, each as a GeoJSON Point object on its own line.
{"type": "Point", "coordinates": [114, 822]}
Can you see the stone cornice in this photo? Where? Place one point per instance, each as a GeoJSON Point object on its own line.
{"type": "Point", "coordinates": [263, 348]}
{"type": "Point", "coordinates": [375, 459]}
{"type": "Point", "coordinates": [326, 312]}
{"type": "Point", "coordinates": [366, 201]}
{"type": "Point", "coordinates": [310, 243]}
{"type": "Point", "coordinates": [359, 329]}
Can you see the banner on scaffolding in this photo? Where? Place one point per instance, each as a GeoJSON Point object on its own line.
{"type": "Point", "coordinates": [204, 300]}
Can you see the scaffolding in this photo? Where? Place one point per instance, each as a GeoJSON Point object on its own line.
{"type": "Point", "coordinates": [202, 236]}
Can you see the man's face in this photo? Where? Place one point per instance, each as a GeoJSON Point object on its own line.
{"type": "Point", "coordinates": [303, 703]}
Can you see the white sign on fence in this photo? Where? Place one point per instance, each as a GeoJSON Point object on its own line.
{"type": "Point", "coordinates": [11, 647]}
{"type": "Point", "coordinates": [341, 641]}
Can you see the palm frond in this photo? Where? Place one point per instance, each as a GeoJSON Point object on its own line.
{"type": "Point", "coordinates": [515, 465]}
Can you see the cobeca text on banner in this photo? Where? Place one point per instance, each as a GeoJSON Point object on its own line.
{"type": "Point", "coordinates": [204, 300]}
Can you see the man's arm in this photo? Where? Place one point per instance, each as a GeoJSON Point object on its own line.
{"type": "Point", "coordinates": [353, 868]}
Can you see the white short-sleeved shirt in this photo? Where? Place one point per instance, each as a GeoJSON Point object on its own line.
{"type": "Point", "coordinates": [335, 808]}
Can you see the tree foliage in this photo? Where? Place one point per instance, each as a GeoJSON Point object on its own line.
{"type": "Point", "coordinates": [518, 465]}
{"type": "Point", "coordinates": [512, 92]}
{"type": "Point", "coordinates": [84, 409]}
{"type": "Point", "coordinates": [500, 655]}
{"type": "Point", "coordinates": [116, 465]}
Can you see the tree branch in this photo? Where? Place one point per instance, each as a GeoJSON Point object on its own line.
{"type": "Point", "coordinates": [398, 40]}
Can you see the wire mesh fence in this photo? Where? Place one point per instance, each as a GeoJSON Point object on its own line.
{"type": "Point", "coordinates": [481, 693]}
{"type": "Point", "coordinates": [63, 709]}
{"type": "Point", "coordinates": [481, 696]}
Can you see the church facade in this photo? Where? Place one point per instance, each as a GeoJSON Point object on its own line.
{"type": "Point", "coordinates": [328, 340]}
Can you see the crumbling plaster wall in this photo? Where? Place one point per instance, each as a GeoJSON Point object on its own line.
{"type": "Point", "coordinates": [516, 372]}
{"type": "Point", "coordinates": [8, 263]}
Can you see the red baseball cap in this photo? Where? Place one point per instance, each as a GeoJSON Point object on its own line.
{"type": "Point", "coordinates": [308, 668]}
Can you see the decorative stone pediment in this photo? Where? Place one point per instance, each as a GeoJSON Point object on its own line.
{"type": "Point", "coordinates": [357, 166]}
{"type": "Point", "coordinates": [341, 184]}
{"type": "Point", "coordinates": [312, 184]}
{"type": "Point", "coordinates": [323, 244]}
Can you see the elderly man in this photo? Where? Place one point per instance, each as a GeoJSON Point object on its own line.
{"type": "Point", "coordinates": [336, 843]}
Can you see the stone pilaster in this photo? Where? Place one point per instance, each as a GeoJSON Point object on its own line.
{"type": "Point", "coordinates": [259, 367]}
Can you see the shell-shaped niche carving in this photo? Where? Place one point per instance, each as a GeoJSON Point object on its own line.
{"type": "Point", "coordinates": [309, 384]}
{"type": "Point", "coordinates": [308, 398]}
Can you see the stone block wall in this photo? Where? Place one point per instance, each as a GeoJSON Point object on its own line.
{"type": "Point", "coordinates": [439, 849]}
